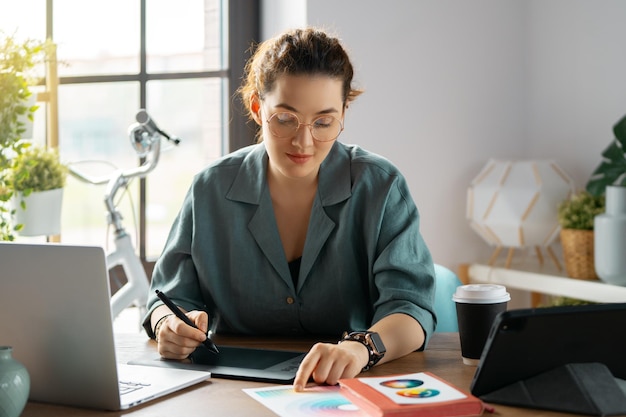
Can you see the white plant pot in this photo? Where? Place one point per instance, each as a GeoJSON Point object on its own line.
{"type": "Point", "coordinates": [42, 213]}
{"type": "Point", "coordinates": [610, 238]}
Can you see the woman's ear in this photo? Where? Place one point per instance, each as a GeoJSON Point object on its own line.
{"type": "Point", "coordinates": [255, 109]}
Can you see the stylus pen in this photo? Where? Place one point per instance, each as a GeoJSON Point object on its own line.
{"type": "Point", "coordinates": [178, 313]}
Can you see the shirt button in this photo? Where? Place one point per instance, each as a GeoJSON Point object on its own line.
{"type": "Point", "coordinates": [290, 300]}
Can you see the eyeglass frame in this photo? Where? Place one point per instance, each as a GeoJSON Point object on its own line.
{"type": "Point", "coordinates": [310, 125]}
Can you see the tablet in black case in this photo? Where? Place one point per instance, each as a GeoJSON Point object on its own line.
{"type": "Point", "coordinates": [528, 342]}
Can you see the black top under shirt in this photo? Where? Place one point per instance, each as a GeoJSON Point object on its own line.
{"type": "Point", "coordinates": [294, 269]}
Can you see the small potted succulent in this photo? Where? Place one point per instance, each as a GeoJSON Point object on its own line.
{"type": "Point", "coordinates": [576, 217]}
{"type": "Point", "coordinates": [37, 177]}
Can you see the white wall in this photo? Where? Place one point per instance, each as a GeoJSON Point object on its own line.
{"type": "Point", "coordinates": [278, 15]}
{"type": "Point", "coordinates": [577, 80]}
{"type": "Point", "coordinates": [451, 83]}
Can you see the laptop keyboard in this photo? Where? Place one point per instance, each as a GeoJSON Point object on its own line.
{"type": "Point", "coordinates": [129, 386]}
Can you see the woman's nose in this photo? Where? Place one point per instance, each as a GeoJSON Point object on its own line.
{"type": "Point", "coordinates": [304, 136]}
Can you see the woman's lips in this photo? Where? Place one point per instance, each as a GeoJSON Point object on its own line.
{"type": "Point", "coordinates": [299, 158]}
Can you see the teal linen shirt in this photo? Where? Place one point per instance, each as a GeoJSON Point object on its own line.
{"type": "Point", "coordinates": [364, 257]}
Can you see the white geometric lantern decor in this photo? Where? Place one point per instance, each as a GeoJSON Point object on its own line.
{"type": "Point", "coordinates": [514, 204]}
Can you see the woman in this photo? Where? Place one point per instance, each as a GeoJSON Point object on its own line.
{"type": "Point", "coordinates": [299, 234]}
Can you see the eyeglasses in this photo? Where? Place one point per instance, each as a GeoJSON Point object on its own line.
{"type": "Point", "coordinates": [286, 125]}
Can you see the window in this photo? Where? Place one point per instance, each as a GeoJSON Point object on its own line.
{"type": "Point", "coordinates": [181, 61]}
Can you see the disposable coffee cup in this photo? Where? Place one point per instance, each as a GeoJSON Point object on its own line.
{"type": "Point", "coordinates": [477, 305]}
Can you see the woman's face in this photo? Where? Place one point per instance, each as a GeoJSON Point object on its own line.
{"type": "Point", "coordinates": [309, 98]}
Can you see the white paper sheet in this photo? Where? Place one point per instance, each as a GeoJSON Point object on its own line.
{"type": "Point", "coordinates": [314, 401]}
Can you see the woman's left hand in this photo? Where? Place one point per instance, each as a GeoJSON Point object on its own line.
{"type": "Point", "coordinates": [327, 363]}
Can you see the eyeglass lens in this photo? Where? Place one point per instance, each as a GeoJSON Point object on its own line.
{"type": "Point", "coordinates": [323, 129]}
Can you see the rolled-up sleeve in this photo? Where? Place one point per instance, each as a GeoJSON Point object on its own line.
{"type": "Point", "coordinates": [403, 271]}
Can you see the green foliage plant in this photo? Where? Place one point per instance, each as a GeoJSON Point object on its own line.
{"type": "Point", "coordinates": [17, 61]}
{"type": "Point", "coordinates": [579, 210]}
{"type": "Point", "coordinates": [612, 168]}
{"type": "Point", "coordinates": [7, 230]}
{"type": "Point", "coordinates": [37, 168]}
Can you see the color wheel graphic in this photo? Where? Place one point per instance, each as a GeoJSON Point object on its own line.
{"type": "Point", "coordinates": [418, 392]}
{"type": "Point", "coordinates": [402, 383]}
{"type": "Point", "coordinates": [336, 406]}
{"type": "Point", "coordinates": [325, 401]}
{"type": "Point", "coordinates": [409, 388]}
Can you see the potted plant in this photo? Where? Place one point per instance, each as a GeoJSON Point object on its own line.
{"type": "Point", "coordinates": [37, 177]}
{"type": "Point", "coordinates": [17, 60]}
{"type": "Point", "coordinates": [609, 179]}
{"type": "Point", "coordinates": [576, 217]}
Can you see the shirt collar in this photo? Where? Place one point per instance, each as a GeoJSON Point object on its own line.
{"type": "Point", "coordinates": [335, 180]}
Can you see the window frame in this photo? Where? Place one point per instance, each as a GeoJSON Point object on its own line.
{"type": "Point", "coordinates": [242, 21]}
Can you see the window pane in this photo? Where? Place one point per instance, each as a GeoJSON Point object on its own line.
{"type": "Point", "coordinates": [97, 38]}
{"type": "Point", "coordinates": [93, 126]}
{"type": "Point", "coordinates": [183, 36]}
{"type": "Point", "coordinates": [192, 110]}
{"type": "Point", "coordinates": [25, 19]}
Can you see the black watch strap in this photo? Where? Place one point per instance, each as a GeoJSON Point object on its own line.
{"type": "Point", "coordinates": [373, 343]}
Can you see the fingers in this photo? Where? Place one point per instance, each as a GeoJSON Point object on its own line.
{"type": "Point", "coordinates": [172, 346]}
{"type": "Point", "coordinates": [327, 363]}
{"type": "Point", "coordinates": [200, 319]}
{"type": "Point", "coordinates": [306, 368]}
{"type": "Point", "coordinates": [178, 340]}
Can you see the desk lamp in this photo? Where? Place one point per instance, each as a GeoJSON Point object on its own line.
{"type": "Point", "coordinates": [514, 203]}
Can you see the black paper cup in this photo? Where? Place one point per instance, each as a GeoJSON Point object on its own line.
{"type": "Point", "coordinates": [477, 305]}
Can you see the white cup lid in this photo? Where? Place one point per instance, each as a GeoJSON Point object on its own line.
{"type": "Point", "coordinates": [481, 294]}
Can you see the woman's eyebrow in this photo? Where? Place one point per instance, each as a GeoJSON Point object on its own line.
{"type": "Point", "coordinates": [293, 109]}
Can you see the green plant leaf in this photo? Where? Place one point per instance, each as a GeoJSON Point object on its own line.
{"type": "Point", "coordinates": [612, 168]}
{"type": "Point", "coordinates": [620, 130]}
{"type": "Point", "coordinates": [37, 168]}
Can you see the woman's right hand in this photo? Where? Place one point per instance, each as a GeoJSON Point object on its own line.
{"type": "Point", "coordinates": [177, 340]}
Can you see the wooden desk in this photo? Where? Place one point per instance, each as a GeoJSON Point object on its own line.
{"type": "Point", "coordinates": [225, 398]}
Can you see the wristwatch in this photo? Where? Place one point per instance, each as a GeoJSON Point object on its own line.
{"type": "Point", "coordinates": [373, 343]}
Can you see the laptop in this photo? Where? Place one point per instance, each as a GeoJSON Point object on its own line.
{"type": "Point", "coordinates": [55, 312]}
{"type": "Point", "coordinates": [527, 342]}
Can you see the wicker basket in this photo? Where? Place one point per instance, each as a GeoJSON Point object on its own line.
{"type": "Point", "coordinates": [578, 253]}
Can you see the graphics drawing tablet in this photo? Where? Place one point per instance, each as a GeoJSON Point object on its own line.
{"type": "Point", "coordinates": [251, 364]}
{"type": "Point", "coordinates": [527, 342]}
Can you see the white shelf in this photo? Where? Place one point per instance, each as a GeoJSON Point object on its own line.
{"type": "Point", "coordinates": [546, 280]}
